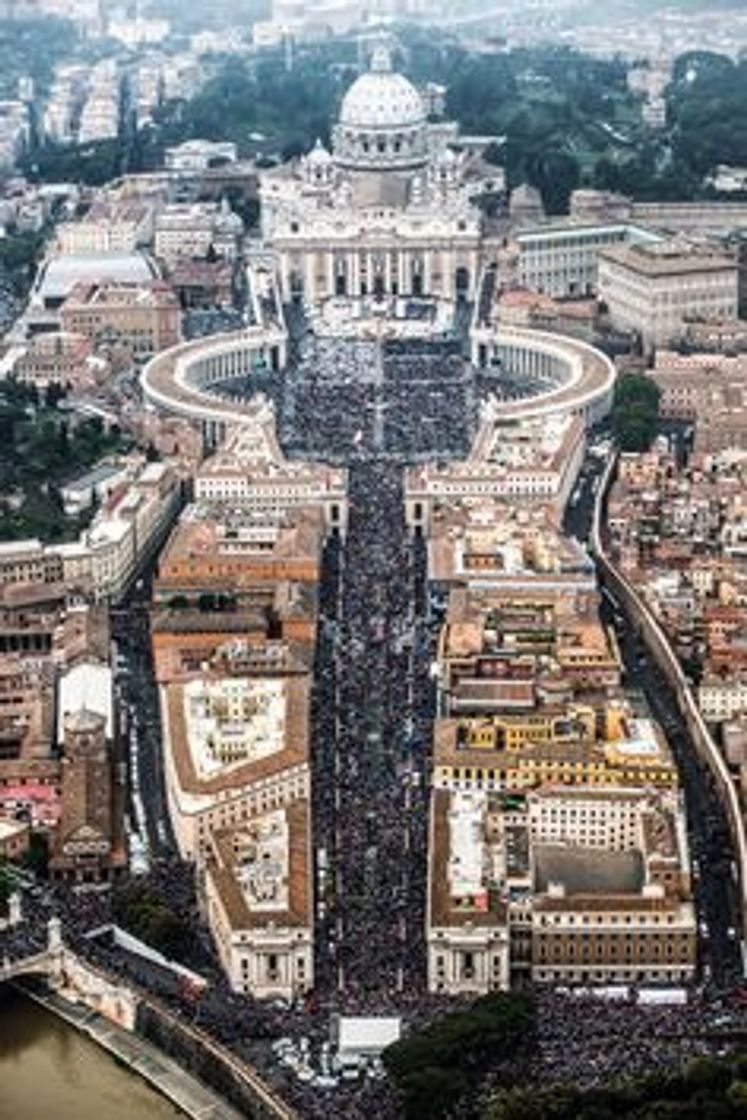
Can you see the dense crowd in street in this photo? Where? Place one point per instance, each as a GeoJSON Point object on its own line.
{"type": "Point", "coordinates": [580, 1039]}
{"type": "Point", "coordinates": [371, 804]}
{"type": "Point", "coordinates": [590, 1041]}
{"type": "Point", "coordinates": [373, 700]}
{"type": "Point", "coordinates": [405, 399]}
{"type": "Point", "coordinates": [376, 409]}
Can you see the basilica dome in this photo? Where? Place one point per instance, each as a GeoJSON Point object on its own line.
{"type": "Point", "coordinates": [382, 99]}
{"type": "Point", "coordinates": [382, 123]}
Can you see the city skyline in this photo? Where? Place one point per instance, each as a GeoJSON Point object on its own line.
{"type": "Point", "coordinates": [373, 720]}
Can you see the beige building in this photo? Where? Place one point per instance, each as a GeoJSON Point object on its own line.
{"type": "Point", "coordinates": [390, 212]}
{"type": "Point", "coordinates": [576, 887]}
{"type": "Point", "coordinates": [29, 561]}
{"type": "Point", "coordinates": [269, 769]}
{"type": "Point", "coordinates": [110, 226]}
{"type": "Point", "coordinates": [258, 900]}
{"type": "Point", "coordinates": [60, 358]}
{"type": "Point", "coordinates": [144, 318]}
{"type": "Point", "coordinates": [694, 386]}
{"type": "Point", "coordinates": [14, 838]}
{"type": "Point", "coordinates": [654, 288]}
{"type": "Point", "coordinates": [531, 461]}
{"type": "Point", "coordinates": [184, 231]}
{"type": "Point", "coordinates": [250, 472]}
{"type": "Point", "coordinates": [516, 549]}
{"type": "Point", "coordinates": [722, 698]}
{"type": "Point", "coordinates": [106, 556]}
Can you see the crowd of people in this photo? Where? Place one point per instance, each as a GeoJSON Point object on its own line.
{"type": "Point", "coordinates": [403, 399]}
{"type": "Point", "coordinates": [588, 1041]}
{"type": "Point", "coordinates": [581, 1040]}
{"type": "Point", "coordinates": [370, 811]}
{"type": "Point", "coordinates": [375, 408]}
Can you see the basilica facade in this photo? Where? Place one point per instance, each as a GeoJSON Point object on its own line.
{"type": "Point", "coordinates": [390, 212]}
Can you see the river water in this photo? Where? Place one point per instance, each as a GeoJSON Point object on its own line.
{"type": "Point", "coordinates": [49, 1071]}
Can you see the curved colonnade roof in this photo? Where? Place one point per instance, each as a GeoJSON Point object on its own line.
{"type": "Point", "coordinates": [591, 378]}
{"type": "Point", "coordinates": [171, 384]}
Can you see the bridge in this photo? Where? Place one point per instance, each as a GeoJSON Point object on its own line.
{"type": "Point", "coordinates": [124, 1005]}
{"type": "Point", "coordinates": [36, 963]}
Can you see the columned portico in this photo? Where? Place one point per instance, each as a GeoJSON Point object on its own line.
{"type": "Point", "coordinates": [388, 212]}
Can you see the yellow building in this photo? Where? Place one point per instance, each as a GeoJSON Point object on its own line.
{"type": "Point", "coordinates": [468, 754]}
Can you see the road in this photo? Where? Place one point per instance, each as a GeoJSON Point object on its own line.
{"type": "Point", "coordinates": [136, 686]}
{"type": "Point", "coordinates": [710, 843]}
{"type": "Point", "coordinates": [371, 788]}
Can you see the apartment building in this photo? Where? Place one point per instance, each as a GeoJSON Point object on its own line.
{"type": "Point", "coordinates": [143, 318]}
{"type": "Point", "coordinates": [258, 898]}
{"type": "Point", "coordinates": [653, 288]}
{"type": "Point", "coordinates": [572, 887]}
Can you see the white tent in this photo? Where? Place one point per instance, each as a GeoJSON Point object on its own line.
{"type": "Point", "coordinates": [672, 996]}
{"type": "Point", "coordinates": [361, 1038]}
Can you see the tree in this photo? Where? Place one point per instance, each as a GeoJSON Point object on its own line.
{"type": "Point", "coordinates": [635, 412]}
{"type": "Point", "coordinates": [36, 856]}
{"type": "Point", "coordinates": [737, 1095]}
{"type": "Point", "coordinates": [437, 1067]}
{"type": "Point", "coordinates": [555, 172]}
{"type": "Point", "coordinates": [6, 885]}
{"type": "Point", "coordinates": [53, 394]}
{"type": "Point", "coordinates": [138, 908]}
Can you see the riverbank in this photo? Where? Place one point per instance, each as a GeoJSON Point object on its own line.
{"type": "Point", "coordinates": [191, 1097]}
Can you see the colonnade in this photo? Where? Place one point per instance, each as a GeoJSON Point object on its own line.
{"type": "Point", "coordinates": [387, 271]}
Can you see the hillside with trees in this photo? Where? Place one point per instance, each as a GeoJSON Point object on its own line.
{"type": "Point", "coordinates": [564, 119]}
{"type": "Point", "coordinates": [41, 447]}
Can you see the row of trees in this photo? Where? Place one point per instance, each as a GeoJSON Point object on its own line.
{"type": "Point", "coordinates": [438, 1069]}
{"type": "Point", "coordinates": [138, 908]}
{"type": "Point", "coordinates": [708, 1089]}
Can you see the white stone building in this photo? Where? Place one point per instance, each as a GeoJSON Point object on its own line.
{"type": "Point", "coordinates": [251, 472]}
{"type": "Point", "coordinates": [257, 888]}
{"type": "Point", "coordinates": [722, 698]}
{"type": "Point", "coordinates": [191, 230]}
{"type": "Point", "coordinates": [654, 288]}
{"type": "Point", "coordinates": [389, 212]}
{"type": "Point", "coordinates": [561, 257]}
{"type": "Point", "coordinates": [195, 156]}
{"type": "Point", "coordinates": [543, 886]}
